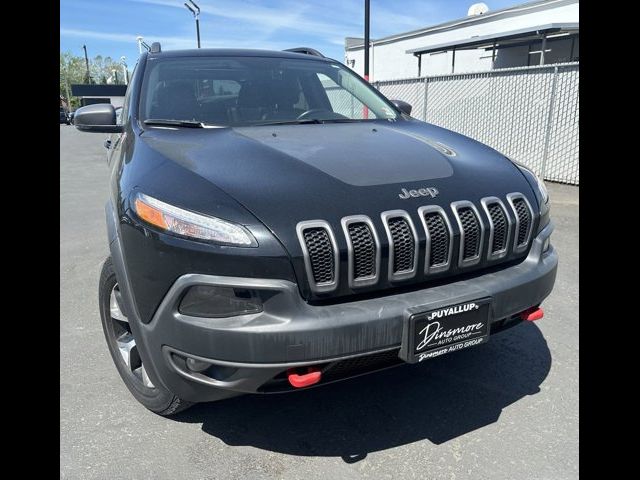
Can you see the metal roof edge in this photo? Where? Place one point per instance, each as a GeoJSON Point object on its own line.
{"type": "Point", "coordinates": [484, 38]}
{"type": "Point", "coordinates": [451, 24]}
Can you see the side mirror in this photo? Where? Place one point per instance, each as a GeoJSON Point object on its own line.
{"type": "Point", "coordinates": [404, 107]}
{"type": "Point", "coordinates": [100, 118]}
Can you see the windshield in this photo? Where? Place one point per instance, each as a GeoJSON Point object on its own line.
{"type": "Point", "coordinates": [243, 91]}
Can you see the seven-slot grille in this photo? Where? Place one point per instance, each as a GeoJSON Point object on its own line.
{"type": "Point", "coordinates": [364, 250]}
{"type": "Point", "coordinates": [500, 228]}
{"type": "Point", "coordinates": [321, 253]}
{"type": "Point", "coordinates": [471, 232]}
{"type": "Point", "coordinates": [524, 221]}
{"type": "Point", "coordinates": [439, 239]}
{"type": "Point", "coordinates": [403, 245]}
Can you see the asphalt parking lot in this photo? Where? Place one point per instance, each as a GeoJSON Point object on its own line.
{"type": "Point", "coordinates": [504, 410]}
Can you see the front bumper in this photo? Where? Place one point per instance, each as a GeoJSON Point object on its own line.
{"type": "Point", "coordinates": [247, 352]}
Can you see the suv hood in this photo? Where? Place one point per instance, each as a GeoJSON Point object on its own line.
{"type": "Point", "coordinates": [289, 173]}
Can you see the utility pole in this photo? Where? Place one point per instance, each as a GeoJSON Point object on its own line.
{"type": "Point", "coordinates": [139, 39]}
{"type": "Point", "coordinates": [86, 61]}
{"type": "Point", "coordinates": [366, 40]}
{"type": "Point", "coordinates": [196, 15]}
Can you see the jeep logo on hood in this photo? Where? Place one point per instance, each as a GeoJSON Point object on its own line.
{"type": "Point", "coordinates": [421, 192]}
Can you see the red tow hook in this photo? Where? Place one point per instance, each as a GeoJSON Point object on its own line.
{"type": "Point", "coordinates": [532, 314]}
{"type": "Point", "coordinates": [312, 377]}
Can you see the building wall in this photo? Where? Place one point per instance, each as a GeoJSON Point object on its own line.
{"type": "Point", "coordinates": [388, 61]}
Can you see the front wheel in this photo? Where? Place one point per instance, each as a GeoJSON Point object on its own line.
{"type": "Point", "coordinates": [124, 351]}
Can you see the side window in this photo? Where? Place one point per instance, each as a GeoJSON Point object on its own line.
{"type": "Point", "coordinates": [342, 101]}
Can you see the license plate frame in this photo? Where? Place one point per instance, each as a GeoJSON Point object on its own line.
{"type": "Point", "coordinates": [437, 331]}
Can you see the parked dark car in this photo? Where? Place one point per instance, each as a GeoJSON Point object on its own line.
{"type": "Point", "coordinates": [276, 223]}
{"type": "Point", "coordinates": [64, 117]}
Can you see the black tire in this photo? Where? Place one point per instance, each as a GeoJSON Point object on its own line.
{"type": "Point", "coordinates": [157, 399]}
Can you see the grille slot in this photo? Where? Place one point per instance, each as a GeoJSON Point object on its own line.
{"type": "Point", "coordinates": [471, 230]}
{"type": "Point", "coordinates": [524, 221]}
{"type": "Point", "coordinates": [439, 238]}
{"type": "Point", "coordinates": [364, 250]}
{"type": "Point", "coordinates": [500, 223]}
{"type": "Point", "coordinates": [500, 228]}
{"type": "Point", "coordinates": [439, 235]}
{"type": "Point", "coordinates": [403, 245]}
{"type": "Point", "coordinates": [320, 254]}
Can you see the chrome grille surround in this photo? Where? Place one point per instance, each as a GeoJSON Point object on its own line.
{"type": "Point", "coordinates": [405, 274]}
{"type": "Point", "coordinates": [361, 281]}
{"type": "Point", "coordinates": [455, 207]}
{"type": "Point", "coordinates": [321, 287]}
{"type": "Point", "coordinates": [423, 212]}
{"type": "Point", "coordinates": [511, 198]}
{"type": "Point", "coordinates": [486, 202]}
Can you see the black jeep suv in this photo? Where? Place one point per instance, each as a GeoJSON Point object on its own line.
{"type": "Point", "coordinates": [276, 223]}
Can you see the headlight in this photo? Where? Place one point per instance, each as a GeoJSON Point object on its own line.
{"type": "Point", "coordinates": [189, 224]}
{"type": "Point", "coordinates": [542, 188]}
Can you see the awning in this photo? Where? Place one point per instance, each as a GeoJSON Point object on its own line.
{"type": "Point", "coordinates": [531, 33]}
{"type": "Point", "coordinates": [93, 90]}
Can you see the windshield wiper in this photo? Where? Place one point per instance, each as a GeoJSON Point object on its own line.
{"type": "Point", "coordinates": [302, 121]}
{"type": "Point", "coordinates": [176, 123]}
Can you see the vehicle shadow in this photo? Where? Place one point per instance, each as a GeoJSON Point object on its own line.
{"type": "Point", "coordinates": [438, 400]}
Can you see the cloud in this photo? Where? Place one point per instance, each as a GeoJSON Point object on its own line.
{"type": "Point", "coordinates": [276, 24]}
{"type": "Point", "coordinates": [284, 15]}
{"type": "Point", "coordinates": [112, 37]}
{"type": "Point", "coordinates": [172, 42]}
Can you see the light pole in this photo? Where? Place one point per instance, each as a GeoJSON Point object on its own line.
{"type": "Point", "coordinates": [139, 39]}
{"type": "Point", "coordinates": [196, 15]}
{"type": "Point", "coordinates": [125, 72]}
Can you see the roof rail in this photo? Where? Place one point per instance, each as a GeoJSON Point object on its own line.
{"type": "Point", "coordinates": [155, 47]}
{"type": "Point", "coordinates": [306, 51]}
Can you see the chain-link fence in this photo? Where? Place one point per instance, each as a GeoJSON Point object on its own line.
{"type": "Point", "coordinates": [529, 113]}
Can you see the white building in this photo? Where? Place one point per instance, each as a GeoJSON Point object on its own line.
{"type": "Point", "coordinates": [534, 33]}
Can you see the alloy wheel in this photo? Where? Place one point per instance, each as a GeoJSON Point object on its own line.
{"type": "Point", "coordinates": [124, 339]}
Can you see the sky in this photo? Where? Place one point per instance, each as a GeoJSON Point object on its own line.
{"type": "Point", "coordinates": [110, 27]}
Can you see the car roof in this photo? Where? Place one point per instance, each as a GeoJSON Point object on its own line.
{"type": "Point", "coordinates": [235, 52]}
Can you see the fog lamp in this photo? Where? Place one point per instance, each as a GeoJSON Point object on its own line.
{"type": "Point", "coordinates": [215, 302]}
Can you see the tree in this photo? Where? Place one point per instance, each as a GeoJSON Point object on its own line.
{"type": "Point", "coordinates": [74, 70]}
{"type": "Point", "coordinates": [102, 68]}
